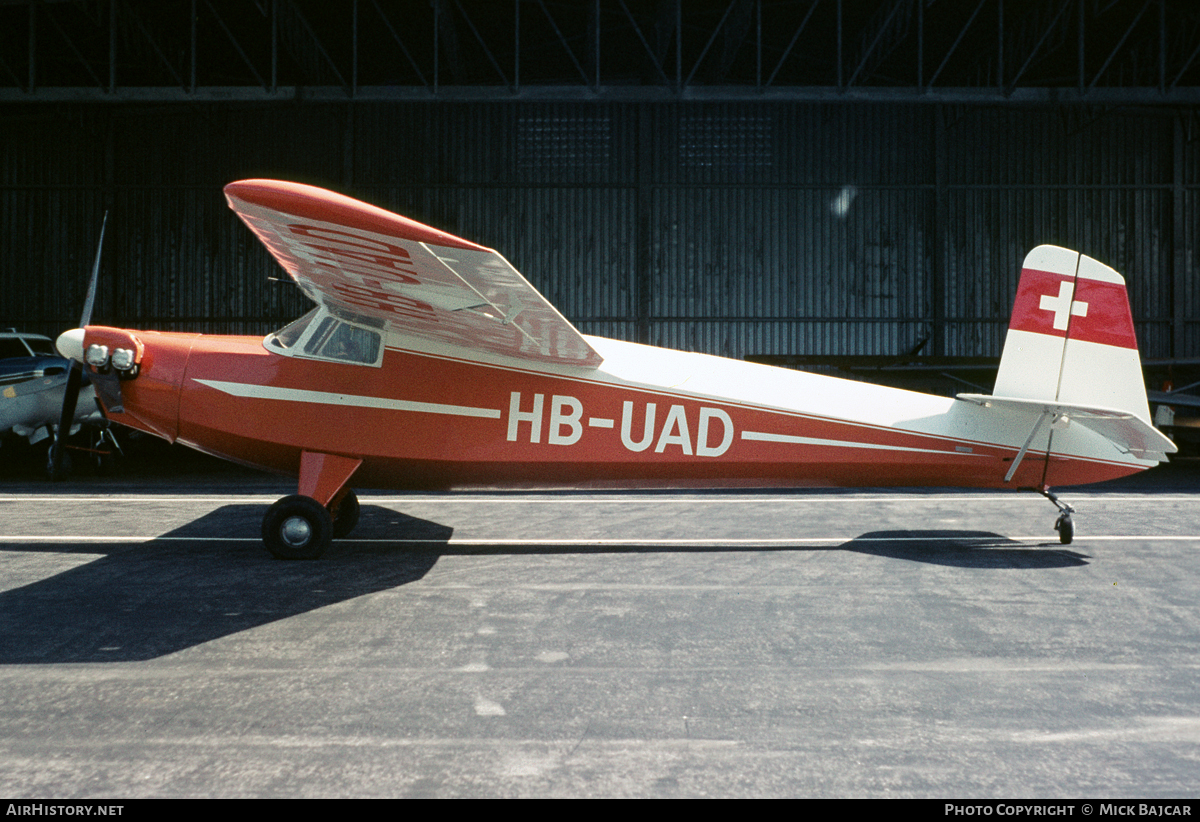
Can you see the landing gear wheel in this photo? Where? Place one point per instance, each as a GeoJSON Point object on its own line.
{"type": "Point", "coordinates": [1065, 528]}
{"type": "Point", "coordinates": [345, 514]}
{"type": "Point", "coordinates": [297, 527]}
{"type": "Point", "coordinates": [104, 451]}
{"type": "Point", "coordinates": [104, 462]}
{"type": "Point", "coordinates": [1064, 525]}
{"type": "Point", "coordinates": [59, 472]}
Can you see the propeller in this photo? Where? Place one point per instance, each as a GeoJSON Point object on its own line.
{"type": "Point", "coordinates": [57, 463]}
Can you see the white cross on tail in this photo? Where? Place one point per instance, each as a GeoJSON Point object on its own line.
{"type": "Point", "coordinates": [1063, 305]}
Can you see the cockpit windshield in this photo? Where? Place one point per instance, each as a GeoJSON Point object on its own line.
{"type": "Point", "coordinates": [328, 338]}
{"type": "Point", "coordinates": [41, 347]}
{"type": "Point", "coordinates": [287, 336]}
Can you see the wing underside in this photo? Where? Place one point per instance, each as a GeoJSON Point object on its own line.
{"type": "Point", "coordinates": [413, 278]}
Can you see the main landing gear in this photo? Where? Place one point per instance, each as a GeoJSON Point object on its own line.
{"type": "Point", "coordinates": [1064, 525]}
{"type": "Point", "coordinates": [299, 527]}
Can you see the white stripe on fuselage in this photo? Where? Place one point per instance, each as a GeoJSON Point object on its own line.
{"type": "Point", "coordinates": [270, 392]}
{"type": "Point", "coordinates": [788, 438]}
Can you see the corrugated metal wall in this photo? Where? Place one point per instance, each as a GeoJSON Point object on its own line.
{"type": "Point", "coordinates": [729, 228]}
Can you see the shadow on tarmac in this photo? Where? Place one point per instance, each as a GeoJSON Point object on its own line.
{"type": "Point", "coordinates": [208, 579]}
{"type": "Point", "coordinates": [964, 549]}
{"type": "Point", "coordinates": [197, 583]}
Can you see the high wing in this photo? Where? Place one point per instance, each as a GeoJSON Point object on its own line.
{"type": "Point", "coordinates": [414, 279]}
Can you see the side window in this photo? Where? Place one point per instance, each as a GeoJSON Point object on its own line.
{"type": "Point", "coordinates": [351, 344]}
{"type": "Point", "coordinates": [11, 347]}
{"type": "Point", "coordinates": [328, 338]}
{"type": "Point", "coordinates": [319, 336]}
{"type": "Point", "coordinates": [41, 347]}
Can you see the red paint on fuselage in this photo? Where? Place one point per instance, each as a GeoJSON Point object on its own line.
{"type": "Point", "coordinates": [458, 424]}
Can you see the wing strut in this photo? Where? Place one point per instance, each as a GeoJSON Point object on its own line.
{"type": "Point", "coordinates": [1037, 426]}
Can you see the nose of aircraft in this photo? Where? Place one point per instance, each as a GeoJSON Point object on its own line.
{"type": "Point", "coordinates": [70, 344]}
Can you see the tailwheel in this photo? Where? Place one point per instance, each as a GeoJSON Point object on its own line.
{"type": "Point", "coordinates": [297, 527]}
{"type": "Point", "coordinates": [345, 514]}
{"type": "Point", "coordinates": [1065, 528]}
{"type": "Point", "coordinates": [1064, 525]}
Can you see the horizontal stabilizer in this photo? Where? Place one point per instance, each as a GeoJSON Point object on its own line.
{"type": "Point", "coordinates": [1126, 431]}
{"type": "Point", "coordinates": [1173, 398]}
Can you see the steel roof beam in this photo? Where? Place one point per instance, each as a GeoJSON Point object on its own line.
{"type": "Point", "coordinates": [236, 45]}
{"type": "Point", "coordinates": [878, 36]}
{"type": "Point", "coordinates": [1012, 84]}
{"type": "Point", "coordinates": [487, 52]}
{"type": "Point", "coordinates": [566, 46]}
{"type": "Point", "coordinates": [75, 51]}
{"type": "Point", "coordinates": [642, 38]}
{"type": "Point", "coordinates": [792, 42]}
{"type": "Point", "coordinates": [133, 15]}
{"type": "Point", "coordinates": [321, 49]}
{"type": "Point", "coordinates": [1186, 64]}
{"type": "Point", "coordinates": [1036, 44]}
{"type": "Point", "coordinates": [33, 46]}
{"type": "Point", "coordinates": [957, 40]}
{"type": "Point", "coordinates": [708, 45]}
{"type": "Point", "coordinates": [396, 37]}
{"type": "Point", "coordinates": [1120, 43]}
{"type": "Point", "coordinates": [1057, 95]}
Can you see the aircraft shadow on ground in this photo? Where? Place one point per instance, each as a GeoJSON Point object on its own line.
{"type": "Point", "coordinates": [959, 549]}
{"type": "Point", "coordinates": [964, 549]}
{"type": "Point", "coordinates": [207, 579]}
{"type": "Point", "coordinates": [197, 583]}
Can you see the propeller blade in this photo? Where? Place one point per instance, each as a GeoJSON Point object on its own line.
{"type": "Point", "coordinates": [91, 294]}
{"type": "Point", "coordinates": [57, 466]}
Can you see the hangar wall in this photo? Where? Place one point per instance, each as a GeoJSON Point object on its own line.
{"type": "Point", "coordinates": [732, 228]}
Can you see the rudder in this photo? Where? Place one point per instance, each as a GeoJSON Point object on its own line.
{"type": "Point", "coordinates": [1071, 338]}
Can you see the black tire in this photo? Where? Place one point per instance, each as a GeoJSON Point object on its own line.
{"type": "Point", "coordinates": [297, 527]}
{"type": "Point", "coordinates": [345, 515]}
{"type": "Point", "coordinates": [1066, 530]}
{"type": "Point", "coordinates": [57, 473]}
{"type": "Point", "coordinates": [105, 463]}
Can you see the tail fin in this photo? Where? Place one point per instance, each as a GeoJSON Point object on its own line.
{"type": "Point", "coordinates": [1071, 352]}
{"type": "Point", "coordinates": [1071, 336]}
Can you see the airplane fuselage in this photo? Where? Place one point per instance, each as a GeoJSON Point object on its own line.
{"type": "Point", "coordinates": [647, 417]}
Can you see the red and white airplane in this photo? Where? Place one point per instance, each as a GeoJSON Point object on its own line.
{"type": "Point", "coordinates": [430, 362]}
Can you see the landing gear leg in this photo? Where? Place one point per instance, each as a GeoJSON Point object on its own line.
{"type": "Point", "coordinates": [1064, 524]}
{"type": "Point", "coordinates": [302, 525]}
{"type": "Point", "coordinates": [344, 510]}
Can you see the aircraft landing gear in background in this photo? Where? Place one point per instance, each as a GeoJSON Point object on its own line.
{"type": "Point", "coordinates": [102, 450]}
{"type": "Point", "coordinates": [1064, 525]}
{"type": "Point", "coordinates": [58, 468]}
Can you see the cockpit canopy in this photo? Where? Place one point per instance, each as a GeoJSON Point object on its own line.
{"type": "Point", "coordinates": [324, 334]}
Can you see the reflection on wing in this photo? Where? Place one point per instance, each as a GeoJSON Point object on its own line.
{"type": "Point", "coordinates": [352, 256]}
